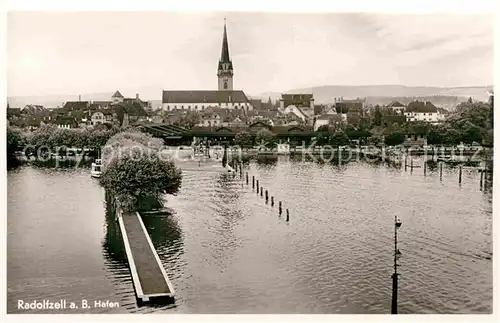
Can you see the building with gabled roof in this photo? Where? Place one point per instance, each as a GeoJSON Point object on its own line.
{"type": "Point", "coordinates": [423, 111]}
{"type": "Point", "coordinates": [75, 105]}
{"type": "Point", "coordinates": [33, 109]}
{"type": "Point", "coordinates": [397, 107]}
{"type": "Point", "coordinates": [117, 97]}
{"type": "Point", "coordinates": [66, 122]}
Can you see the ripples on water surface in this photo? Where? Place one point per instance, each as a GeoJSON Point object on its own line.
{"type": "Point", "coordinates": [226, 251]}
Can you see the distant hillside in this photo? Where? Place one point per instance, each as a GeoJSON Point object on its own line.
{"type": "Point", "coordinates": [53, 101]}
{"type": "Point", "coordinates": [379, 94]}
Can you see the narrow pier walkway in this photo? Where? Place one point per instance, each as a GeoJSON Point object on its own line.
{"type": "Point", "coordinates": [148, 275]}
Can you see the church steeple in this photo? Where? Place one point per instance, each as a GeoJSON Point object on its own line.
{"type": "Point", "coordinates": [225, 67]}
{"type": "Point", "coordinates": [224, 56]}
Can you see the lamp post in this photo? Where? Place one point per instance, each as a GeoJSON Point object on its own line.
{"type": "Point", "coordinates": [397, 254]}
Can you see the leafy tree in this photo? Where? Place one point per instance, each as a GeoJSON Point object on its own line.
{"type": "Point", "coordinates": [435, 136]}
{"type": "Point", "coordinates": [243, 139]}
{"type": "Point", "coordinates": [40, 137]}
{"type": "Point", "coordinates": [324, 128]}
{"type": "Point", "coordinates": [377, 117]}
{"type": "Point", "coordinates": [471, 133]}
{"type": "Point", "coordinates": [376, 140]}
{"type": "Point", "coordinates": [190, 119]}
{"type": "Point", "coordinates": [14, 140]}
{"type": "Point", "coordinates": [266, 138]}
{"type": "Point", "coordinates": [395, 138]}
{"type": "Point", "coordinates": [339, 138]}
{"type": "Point", "coordinates": [452, 136]}
{"type": "Point", "coordinates": [137, 172]}
{"type": "Point", "coordinates": [417, 127]}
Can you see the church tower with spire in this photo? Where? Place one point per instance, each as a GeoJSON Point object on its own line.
{"type": "Point", "coordinates": [225, 68]}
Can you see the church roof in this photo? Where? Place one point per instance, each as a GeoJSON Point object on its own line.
{"type": "Point", "coordinates": [204, 97]}
{"type": "Point", "coordinates": [117, 95]}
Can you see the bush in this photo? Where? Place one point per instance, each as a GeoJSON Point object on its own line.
{"type": "Point", "coordinates": [243, 139]}
{"type": "Point", "coordinates": [394, 138]}
{"type": "Point", "coordinates": [134, 171]}
{"type": "Point", "coordinates": [14, 140]}
{"type": "Point", "coordinates": [339, 138]}
{"type": "Point", "coordinates": [266, 138]}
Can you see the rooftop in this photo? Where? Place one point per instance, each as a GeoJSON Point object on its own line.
{"type": "Point", "coordinates": [203, 96]}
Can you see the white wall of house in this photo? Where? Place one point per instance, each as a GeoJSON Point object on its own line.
{"type": "Point", "coordinates": [293, 109]}
{"type": "Point", "coordinates": [96, 118]}
{"type": "Point", "coordinates": [202, 106]}
{"type": "Point", "coordinates": [320, 122]}
{"type": "Point", "coordinates": [423, 116]}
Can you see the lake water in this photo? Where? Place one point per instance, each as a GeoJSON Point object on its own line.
{"type": "Point", "coordinates": [226, 251]}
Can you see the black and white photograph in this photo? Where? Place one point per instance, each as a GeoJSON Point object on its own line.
{"type": "Point", "coordinates": [249, 162]}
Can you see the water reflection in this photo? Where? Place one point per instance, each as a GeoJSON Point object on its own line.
{"type": "Point", "coordinates": [112, 242]}
{"type": "Point", "coordinates": [166, 235]}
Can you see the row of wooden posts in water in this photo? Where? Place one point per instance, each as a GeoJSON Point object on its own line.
{"type": "Point", "coordinates": [260, 189]}
{"type": "Point", "coordinates": [482, 184]}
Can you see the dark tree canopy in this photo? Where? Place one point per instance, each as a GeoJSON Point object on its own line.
{"type": "Point", "coordinates": [395, 138]}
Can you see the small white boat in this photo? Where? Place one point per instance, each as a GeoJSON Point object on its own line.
{"type": "Point", "coordinates": [96, 170]}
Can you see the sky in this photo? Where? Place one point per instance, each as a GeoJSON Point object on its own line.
{"type": "Point", "coordinates": [89, 52]}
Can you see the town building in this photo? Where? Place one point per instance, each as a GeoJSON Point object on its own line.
{"type": "Point", "coordinates": [344, 106]}
{"type": "Point", "coordinates": [66, 122]}
{"type": "Point", "coordinates": [117, 97]}
{"type": "Point", "coordinates": [99, 117]}
{"type": "Point", "coordinates": [423, 111]}
{"type": "Point", "coordinates": [397, 107]}
{"type": "Point", "coordinates": [300, 100]}
{"type": "Point", "coordinates": [225, 97]}
{"type": "Point", "coordinates": [32, 109]}
{"type": "Point", "coordinates": [328, 120]}
{"type": "Point", "coordinates": [217, 117]}
{"type": "Point", "coordinates": [204, 99]}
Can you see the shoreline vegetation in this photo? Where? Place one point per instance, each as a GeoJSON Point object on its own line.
{"type": "Point", "coordinates": [468, 131]}
{"type": "Point", "coordinates": [134, 174]}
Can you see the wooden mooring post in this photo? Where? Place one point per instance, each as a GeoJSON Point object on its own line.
{"type": "Point", "coordinates": [481, 180]}
{"type": "Point", "coordinates": [425, 167]}
{"type": "Point", "coordinates": [485, 178]}
{"type": "Point", "coordinates": [257, 186]}
{"type": "Point", "coordinates": [261, 191]}
{"type": "Point", "coordinates": [247, 178]}
{"type": "Point", "coordinates": [280, 209]}
{"type": "Point", "coordinates": [441, 171]}
{"type": "Point", "coordinates": [287, 215]}
{"type": "Point", "coordinates": [272, 200]}
{"type": "Point", "coordinates": [460, 175]}
{"type": "Point", "coordinates": [411, 167]}
{"type": "Point", "coordinates": [267, 197]}
{"type": "Point", "coordinates": [406, 161]}
{"type": "Point", "coordinates": [253, 182]}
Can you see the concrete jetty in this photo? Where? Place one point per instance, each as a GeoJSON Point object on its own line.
{"type": "Point", "coordinates": [148, 275]}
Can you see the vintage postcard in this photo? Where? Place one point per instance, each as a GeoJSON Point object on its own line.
{"type": "Point", "coordinates": [249, 162]}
